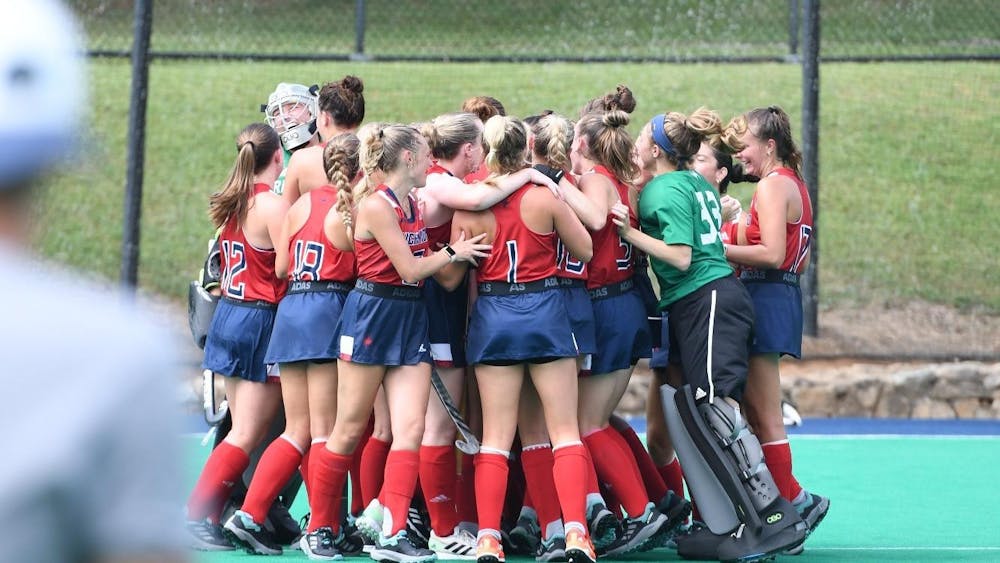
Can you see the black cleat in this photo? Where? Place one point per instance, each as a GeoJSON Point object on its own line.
{"type": "Point", "coordinates": [638, 533]}
{"type": "Point", "coordinates": [319, 545]}
{"type": "Point", "coordinates": [285, 530]}
{"type": "Point", "coordinates": [418, 527]}
{"type": "Point", "coordinates": [252, 537]}
{"type": "Point", "coordinates": [604, 526]}
{"type": "Point", "coordinates": [400, 548]}
{"type": "Point", "coordinates": [206, 536]}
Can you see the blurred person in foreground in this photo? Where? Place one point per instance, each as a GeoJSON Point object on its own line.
{"type": "Point", "coordinates": [90, 445]}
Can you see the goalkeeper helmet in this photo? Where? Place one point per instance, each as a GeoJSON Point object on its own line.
{"type": "Point", "coordinates": [42, 87]}
{"type": "Point", "coordinates": [291, 110]}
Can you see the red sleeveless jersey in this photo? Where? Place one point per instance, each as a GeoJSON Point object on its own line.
{"type": "Point", "coordinates": [247, 271]}
{"type": "Point", "coordinates": [567, 266]}
{"type": "Point", "coordinates": [519, 255]}
{"type": "Point", "coordinates": [612, 261]}
{"type": "Point", "coordinates": [373, 264]}
{"type": "Point", "coordinates": [312, 256]}
{"type": "Point", "coordinates": [440, 234]}
{"type": "Point", "coordinates": [798, 235]}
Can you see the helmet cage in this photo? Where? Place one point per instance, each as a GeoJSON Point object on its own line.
{"type": "Point", "coordinates": [291, 110]}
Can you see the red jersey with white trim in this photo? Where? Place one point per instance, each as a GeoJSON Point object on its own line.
{"type": "Point", "coordinates": [440, 234]}
{"type": "Point", "coordinates": [612, 262]}
{"type": "Point", "coordinates": [247, 271]}
{"type": "Point", "coordinates": [798, 235]}
{"type": "Point", "coordinates": [313, 257]}
{"type": "Point", "coordinates": [567, 266]}
{"type": "Point", "coordinates": [519, 255]}
{"type": "Point", "coordinates": [373, 263]}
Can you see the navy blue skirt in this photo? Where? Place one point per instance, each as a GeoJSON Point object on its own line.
{"type": "Point", "coordinates": [622, 332]}
{"type": "Point", "coordinates": [305, 327]}
{"type": "Point", "coordinates": [238, 339]}
{"type": "Point", "coordinates": [521, 327]}
{"type": "Point", "coordinates": [383, 331]}
{"type": "Point", "coordinates": [777, 318]}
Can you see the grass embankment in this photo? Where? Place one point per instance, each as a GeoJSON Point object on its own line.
{"type": "Point", "coordinates": [908, 204]}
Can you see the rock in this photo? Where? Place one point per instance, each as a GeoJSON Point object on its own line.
{"type": "Point", "coordinates": [867, 393]}
{"type": "Point", "coordinates": [958, 382]}
{"type": "Point", "coordinates": [815, 400]}
{"type": "Point", "coordinates": [929, 408]}
{"type": "Point", "coordinates": [966, 408]}
{"type": "Point", "coordinates": [893, 405]}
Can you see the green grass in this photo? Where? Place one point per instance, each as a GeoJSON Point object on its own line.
{"type": "Point", "coordinates": [891, 499]}
{"type": "Point", "coordinates": [907, 156]}
{"type": "Point", "coordinates": [636, 28]}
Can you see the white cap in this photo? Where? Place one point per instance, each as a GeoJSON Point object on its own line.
{"type": "Point", "coordinates": [42, 87]}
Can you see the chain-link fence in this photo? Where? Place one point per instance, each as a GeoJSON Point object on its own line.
{"type": "Point", "coordinates": [528, 30]}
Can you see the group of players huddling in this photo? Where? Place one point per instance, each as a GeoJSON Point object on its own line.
{"type": "Point", "coordinates": [508, 260]}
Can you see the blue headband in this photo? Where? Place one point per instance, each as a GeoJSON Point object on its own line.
{"type": "Point", "coordinates": [660, 136]}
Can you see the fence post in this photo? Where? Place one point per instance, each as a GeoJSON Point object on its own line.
{"type": "Point", "coordinates": [810, 157]}
{"type": "Point", "coordinates": [359, 31]}
{"type": "Point", "coordinates": [793, 27]}
{"type": "Point", "coordinates": [141, 29]}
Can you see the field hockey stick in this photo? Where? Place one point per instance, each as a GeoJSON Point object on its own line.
{"type": "Point", "coordinates": [468, 443]}
{"type": "Point", "coordinates": [213, 415]}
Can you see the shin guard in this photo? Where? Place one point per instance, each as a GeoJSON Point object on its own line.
{"type": "Point", "coordinates": [769, 523]}
{"type": "Point", "coordinates": [713, 501]}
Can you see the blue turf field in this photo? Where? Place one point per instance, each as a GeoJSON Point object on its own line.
{"type": "Point", "coordinates": [899, 490]}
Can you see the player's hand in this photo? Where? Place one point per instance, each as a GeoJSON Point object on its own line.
{"type": "Point", "coordinates": [542, 179]}
{"type": "Point", "coordinates": [619, 215]}
{"type": "Point", "coordinates": [469, 250]}
{"type": "Point", "coordinates": [731, 209]}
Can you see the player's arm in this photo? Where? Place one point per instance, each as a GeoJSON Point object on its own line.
{"type": "Point", "coordinates": [571, 231]}
{"type": "Point", "coordinates": [281, 257]}
{"type": "Point", "coordinates": [480, 196]}
{"type": "Point", "coordinates": [380, 221]}
{"type": "Point", "coordinates": [589, 200]}
{"type": "Point", "coordinates": [677, 255]}
{"type": "Point", "coordinates": [463, 225]}
{"type": "Point", "coordinates": [772, 206]}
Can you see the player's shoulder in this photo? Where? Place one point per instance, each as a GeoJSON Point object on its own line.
{"type": "Point", "coordinates": [306, 154]}
{"type": "Point", "coordinates": [777, 182]}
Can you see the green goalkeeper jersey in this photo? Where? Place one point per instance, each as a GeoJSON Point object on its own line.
{"type": "Point", "coordinates": [682, 208]}
{"type": "Point", "coordinates": [279, 184]}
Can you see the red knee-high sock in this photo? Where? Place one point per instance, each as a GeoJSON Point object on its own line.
{"type": "Point", "coordinates": [593, 486]}
{"type": "Point", "coordinates": [527, 502]}
{"type": "Point", "coordinates": [357, 500]}
{"type": "Point", "coordinates": [275, 468]}
{"type": "Point", "coordinates": [611, 500]}
{"type": "Point", "coordinates": [373, 468]}
{"type": "Point", "coordinates": [401, 468]}
{"type": "Point", "coordinates": [656, 489]}
{"type": "Point", "coordinates": [437, 480]}
{"type": "Point", "coordinates": [328, 471]}
{"type": "Point", "coordinates": [224, 467]}
{"type": "Point", "coordinates": [491, 488]}
{"type": "Point", "coordinates": [618, 469]}
{"type": "Point", "coordinates": [304, 464]}
{"type": "Point", "coordinates": [673, 477]}
{"type": "Point", "coordinates": [569, 471]}
{"type": "Point", "coordinates": [465, 495]}
{"type": "Point", "coordinates": [778, 457]}
{"type": "Point", "coordinates": [538, 462]}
